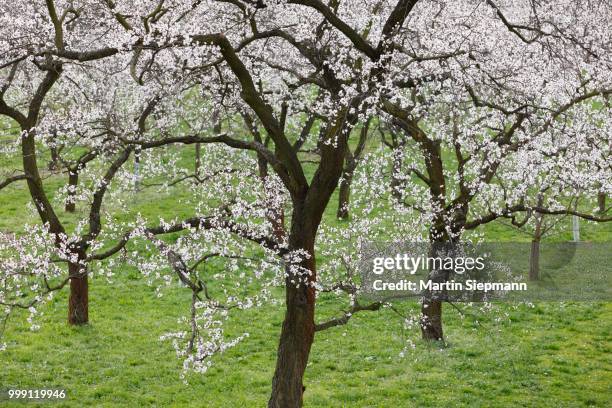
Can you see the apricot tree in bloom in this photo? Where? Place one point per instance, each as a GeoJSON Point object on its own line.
{"type": "Point", "coordinates": [71, 83]}
{"type": "Point", "coordinates": [490, 82]}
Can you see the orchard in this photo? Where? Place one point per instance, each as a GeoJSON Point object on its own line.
{"type": "Point", "coordinates": [235, 157]}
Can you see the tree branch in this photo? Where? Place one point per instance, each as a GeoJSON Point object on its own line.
{"type": "Point", "coordinates": [342, 320]}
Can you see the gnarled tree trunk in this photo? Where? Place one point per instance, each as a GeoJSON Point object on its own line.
{"type": "Point", "coordinates": [297, 334]}
{"type": "Point", "coordinates": [431, 303]}
{"type": "Point", "coordinates": [443, 239]}
{"type": "Point", "coordinates": [78, 303]}
{"type": "Point", "coordinates": [431, 320]}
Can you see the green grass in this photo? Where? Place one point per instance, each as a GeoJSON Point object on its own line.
{"type": "Point", "coordinates": [552, 354]}
{"type": "Point", "coordinates": [549, 355]}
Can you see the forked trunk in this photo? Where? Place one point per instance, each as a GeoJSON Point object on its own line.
{"type": "Point", "coordinates": [78, 303]}
{"type": "Point", "coordinates": [297, 336]}
{"type": "Point", "coordinates": [297, 333]}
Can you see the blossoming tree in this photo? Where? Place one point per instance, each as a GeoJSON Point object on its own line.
{"type": "Point", "coordinates": [477, 88]}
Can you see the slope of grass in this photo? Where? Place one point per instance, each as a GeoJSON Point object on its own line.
{"type": "Point", "coordinates": [552, 354]}
{"type": "Point", "coordinates": [549, 355]}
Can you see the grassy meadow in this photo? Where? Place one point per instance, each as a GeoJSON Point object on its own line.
{"type": "Point", "coordinates": [543, 355]}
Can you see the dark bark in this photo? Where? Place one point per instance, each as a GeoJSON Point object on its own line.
{"type": "Point", "coordinates": [297, 333]}
{"type": "Point", "coordinates": [95, 221]}
{"type": "Point", "coordinates": [431, 320]}
{"type": "Point", "coordinates": [304, 133]}
{"type": "Point", "coordinates": [78, 303]}
{"type": "Point", "coordinates": [73, 181]}
{"type": "Point", "coordinates": [431, 309]}
{"type": "Point", "coordinates": [29, 155]}
{"type": "Point", "coordinates": [534, 260]}
{"type": "Point", "coordinates": [35, 184]}
{"type": "Point", "coordinates": [54, 163]}
{"type": "Point", "coordinates": [601, 202]}
{"type": "Point", "coordinates": [431, 303]}
{"type": "Point", "coordinates": [534, 257]}
{"type": "Point", "coordinates": [137, 168]}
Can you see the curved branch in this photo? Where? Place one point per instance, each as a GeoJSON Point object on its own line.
{"type": "Point", "coordinates": [12, 179]}
{"type": "Point", "coordinates": [342, 320]}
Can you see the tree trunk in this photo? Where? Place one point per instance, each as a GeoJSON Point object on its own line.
{"type": "Point", "coordinates": [54, 163]}
{"type": "Point", "coordinates": [297, 336]}
{"type": "Point", "coordinates": [601, 202]}
{"type": "Point", "coordinates": [575, 228]}
{"type": "Point", "coordinates": [78, 303]}
{"type": "Point", "coordinates": [137, 169]}
{"type": "Point", "coordinates": [297, 333]}
{"type": "Point", "coordinates": [534, 260]}
{"type": "Point", "coordinates": [431, 303]}
{"type": "Point", "coordinates": [431, 320]}
{"type": "Point", "coordinates": [344, 195]}
{"type": "Point", "coordinates": [73, 181]}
